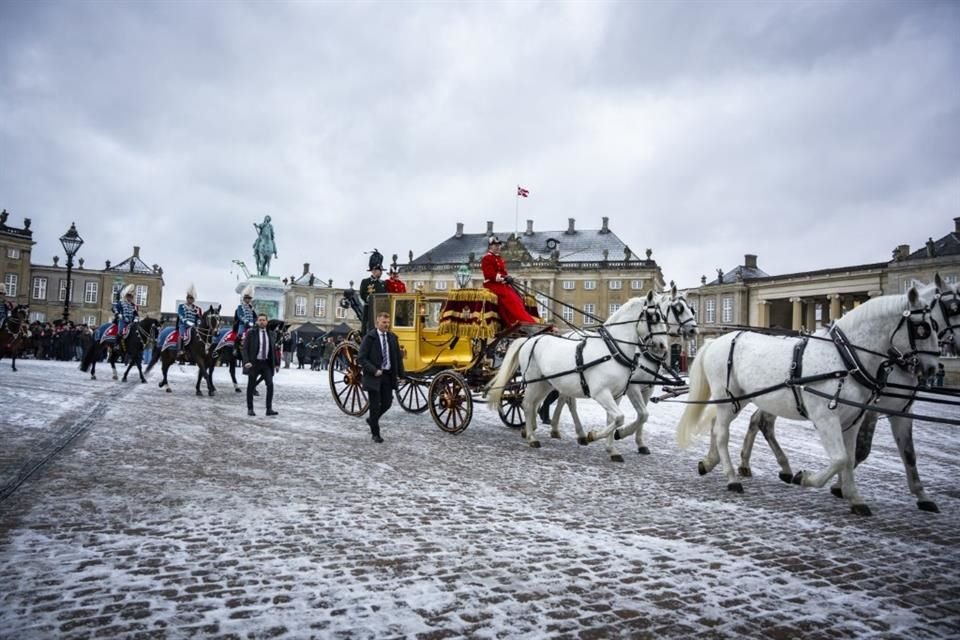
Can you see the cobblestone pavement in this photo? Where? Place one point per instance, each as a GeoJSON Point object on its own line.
{"type": "Point", "coordinates": [176, 516]}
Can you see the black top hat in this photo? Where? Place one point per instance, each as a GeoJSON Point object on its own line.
{"type": "Point", "coordinates": [493, 240]}
{"type": "Point", "coordinates": [376, 260]}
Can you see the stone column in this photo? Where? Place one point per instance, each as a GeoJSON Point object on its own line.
{"type": "Point", "coordinates": [763, 313]}
{"type": "Point", "coordinates": [834, 306]}
{"type": "Point", "coordinates": [810, 323]}
{"type": "Point", "coordinates": [797, 313]}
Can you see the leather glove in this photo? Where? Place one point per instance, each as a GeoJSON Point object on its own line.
{"type": "Point", "coordinates": [508, 279]}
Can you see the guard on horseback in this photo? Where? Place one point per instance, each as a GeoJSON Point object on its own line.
{"type": "Point", "coordinates": [188, 315]}
{"type": "Point", "coordinates": [497, 280]}
{"type": "Point", "coordinates": [245, 317]}
{"type": "Point", "coordinates": [371, 285]}
{"type": "Point", "coordinates": [124, 311]}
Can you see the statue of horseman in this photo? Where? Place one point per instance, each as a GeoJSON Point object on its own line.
{"type": "Point", "coordinates": [124, 311]}
{"type": "Point", "coordinates": [245, 317]}
{"type": "Point", "coordinates": [188, 316]}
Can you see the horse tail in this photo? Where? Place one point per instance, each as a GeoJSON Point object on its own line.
{"type": "Point", "coordinates": [88, 356]}
{"type": "Point", "coordinates": [507, 367]}
{"type": "Point", "coordinates": [154, 357]}
{"type": "Point", "coordinates": [693, 422]}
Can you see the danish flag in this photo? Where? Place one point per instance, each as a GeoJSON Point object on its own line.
{"type": "Point", "coordinates": [523, 193]}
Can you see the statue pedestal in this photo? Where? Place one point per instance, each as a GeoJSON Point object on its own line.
{"type": "Point", "coordinates": [267, 295]}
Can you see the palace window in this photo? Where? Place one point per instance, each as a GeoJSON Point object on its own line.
{"type": "Point", "coordinates": [589, 311]}
{"type": "Point", "coordinates": [39, 288]}
{"type": "Point", "coordinates": [90, 290]}
{"type": "Point", "coordinates": [615, 285]}
{"type": "Point", "coordinates": [710, 310]}
{"type": "Point", "coordinates": [636, 285]}
{"type": "Point", "coordinates": [542, 306]}
{"type": "Point", "coordinates": [90, 320]}
{"type": "Point", "coordinates": [589, 285]}
{"type": "Point", "coordinates": [319, 307]}
{"type": "Point", "coordinates": [950, 278]}
{"type": "Point", "coordinates": [567, 314]}
{"type": "Point", "coordinates": [613, 308]}
{"type": "Point", "coordinates": [568, 285]}
{"type": "Point", "coordinates": [140, 295]}
{"type": "Point", "coordinates": [63, 291]}
{"type": "Point", "coordinates": [13, 253]}
{"type": "Point", "coordinates": [38, 316]}
{"type": "Point", "coordinates": [300, 306]}
{"type": "Point", "coordinates": [11, 281]}
{"type": "Point", "coordinates": [339, 312]}
{"type": "Point", "coordinates": [440, 285]}
{"type": "Point", "coordinates": [727, 309]}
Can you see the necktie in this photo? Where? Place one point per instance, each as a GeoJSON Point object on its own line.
{"type": "Point", "coordinates": [385, 350]}
{"type": "Point", "coordinates": [263, 345]}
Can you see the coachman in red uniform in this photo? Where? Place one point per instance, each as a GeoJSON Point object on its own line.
{"type": "Point", "coordinates": [394, 284]}
{"type": "Point", "coordinates": [496, 279]}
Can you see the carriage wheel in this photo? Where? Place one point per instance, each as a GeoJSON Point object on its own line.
{"type": "Point", "coordinates": [412, 395]}
{"type": "Point", "coordinates": [354, 336]}
{"type": "Point", "coordinates": [511, 404]}
{"type": "Point", "coordinates": [451, 404]}
{"type": "Point", "coordinates": [345, 380]}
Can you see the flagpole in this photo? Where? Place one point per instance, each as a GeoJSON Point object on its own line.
{"type": "Point", "coordinates": [516, 215]}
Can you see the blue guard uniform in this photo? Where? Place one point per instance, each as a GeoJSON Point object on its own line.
{"type": "Point", "coordinates": [5, 306]}
{"type": "Point", "coordinates": [245, 317]}
{"type": "Point", "coordinates": [125, 311]}
{"type": "Point", "coordinates": [188, 315]}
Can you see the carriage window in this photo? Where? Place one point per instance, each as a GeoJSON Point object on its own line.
{"type": "Point", "coordinates": [727, 309]}
{"type": "Point", "coordinates": [404, 314]}
{"type": "Point", "coordinates": [90, 290]}
{"type": "Point", "coordinates": [430, 313]}
{"type": "Point", "coordinates": [141, 295]}
{"type": "Point", "coordinates": [710, 310]}
{"type": "Point", "coordinates": [11, 281]}
{"type": "Point", "coordinates": [39, 288]}
{"type": "Point", "coordinates": [13, 253]}
{"type": "Point", "coordinates": [300, 306]}
{"type": "Point", "coordinates": [615, 285]}
{"type": "Point", "coordinates": [320, 307]}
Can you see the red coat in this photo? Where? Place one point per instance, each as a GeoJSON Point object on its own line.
{"type": "Point", "coordinates": [511, 306]}
{"type": "Point", "coordinates": [395, 285]}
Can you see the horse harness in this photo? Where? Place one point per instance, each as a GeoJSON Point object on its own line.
{"type": "Point", "coordinates": [949, 303]}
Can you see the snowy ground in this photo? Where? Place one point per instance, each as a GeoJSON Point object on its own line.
{"type": "Point", "coordinates": [171, 515]}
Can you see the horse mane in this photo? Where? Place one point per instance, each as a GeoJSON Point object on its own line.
{"type": "Point", "coordinates": [627, 310]}
{"type": "Point", "coordinates": [873, 308]}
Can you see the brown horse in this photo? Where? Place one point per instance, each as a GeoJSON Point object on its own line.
{"type": "Point", "coordinates": [15, 335]}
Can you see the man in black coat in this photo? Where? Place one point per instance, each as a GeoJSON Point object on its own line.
{"type": "Point", "coordinates": [382, 365]}
{"type": "Point", "coordinates": [260, 359]}
{"type": "Point", "coordinates": [369, 286]}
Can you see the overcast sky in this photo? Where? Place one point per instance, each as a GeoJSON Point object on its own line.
{"type": "Point", "coordinates": [813, 134]}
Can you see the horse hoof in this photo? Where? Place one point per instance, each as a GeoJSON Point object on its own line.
{"type": "Point", "coordinates": [523, 433]}
{"type": "Point", "coordinates": [797, 478]}
{"type": "Point", "coordinates": [93, 377]}
{"type": "Point", "coordinates": [554, 435]}
{"type": "Point", "coordinates": [928, 505]}
{"type": "Point", "coordinates": [837, 491]}
{"type": "Point", "coordinates": [13, 368]}
{"type": "Point", "coordinates": [786, 477]}
{"type": "Point", "coordinates": [701, 468]}
{"type": "Point", "coordinates": [535, 444]}
{"type": "Point", "coordinates": [616, 458]}
{"type": "Point", "coordinates": [616, 434]}
{"type": "Point", "coordinates": [211, 392]}
{"type": "Point", "coordinates": [114, 377]}
{"type": "Point", "coordinates": [644, 451]}
{"type": "Point", "coordinates": [143, 381]}
{"type": "Point", "coordinates": [736, 487]}
{"type": "Point", "coordinates": [124, 379]}
{"type": "Point", "coordinates": [590, 436]}
{"type": "Point", "coordinates": [237, 389]}
{"type": "Point", "coordinates": [168, 390]}
{"type": "Point", "coordinates": [744, 472]}
{"type": "Point", "coordinates": [199, 393]}
{"type": "Point", "coordinates": [860, 510]}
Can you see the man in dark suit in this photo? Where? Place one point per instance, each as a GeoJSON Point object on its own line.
{"type": "Point", "coordinates": [382, 365]}
{"type": "Point", "coordinates": [260, 360]}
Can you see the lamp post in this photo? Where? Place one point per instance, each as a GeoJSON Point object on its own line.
{"type": "Point", "coordinates": [71, 242]}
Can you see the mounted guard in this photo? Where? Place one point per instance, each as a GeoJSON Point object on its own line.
{"type": "Point", "coordinates": [188, 316]}
{"type": "Point", "coordinates": [125, 311]}
{"type": "Point", "coordinates": [245, 317]}
{"type": "Point", "coordinates": [5, 306]}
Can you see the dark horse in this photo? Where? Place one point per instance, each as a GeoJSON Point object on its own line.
{"type": "Point", "coordinates": [142, 333]}
{"type": "Point", "coordinates": [95, 352]}
{"type": "Point", "coordinates": [226, 352]}
{"type": "Point", "coordinates": [15, 334]}
{"type": "Point", "coordinates": [198, 350]}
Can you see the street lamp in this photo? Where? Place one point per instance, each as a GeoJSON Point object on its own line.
{"type": "Point", "coordinates": [71, 242]}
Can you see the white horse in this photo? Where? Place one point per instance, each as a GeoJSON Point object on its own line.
{"type": "Point", "coordinates": [751, 366]}
{"type": "Point", "coordinates": [945, 313]}
{"type": "Point", "coordinates": [597, 366]}
{"type": "Point", "coordinates": [681, 322]}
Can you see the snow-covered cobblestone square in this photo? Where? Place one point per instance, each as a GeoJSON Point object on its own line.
{"type": "Point", "coordinates": [169, 515]}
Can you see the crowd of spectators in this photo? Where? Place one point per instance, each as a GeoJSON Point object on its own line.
{"type": "Point", "coordinates": [59, 341]}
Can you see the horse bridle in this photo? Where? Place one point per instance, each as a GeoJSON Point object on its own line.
{"type": "Point", "coordinates": [916, 330]}
{"type": "Point", "coordinates": [949, 303]}
{"type": "Point", "coordinates": [676, 307]}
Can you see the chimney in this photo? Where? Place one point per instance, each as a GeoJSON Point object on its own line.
{"type": "Point", "coordinates": [529, 231]}
{"type": "Point", "coordinates": [570, 228]}
{"type": "Point", "coordinates": [489, 227]}
{"type": "Point", "coordinates": [605, 228]}
{"type": "Point", "coordinates": [903, 252]}
{"type": "Point", "coordinates": [136, 251]}
{"type": "Point", "coordinates": [459, 233]}
{"type": "Point", "coordinates": [956, 225]}
{"type": "Point", "coordinates": [306, 268]}
{"type": "Point", "coordinates": [750, 261]}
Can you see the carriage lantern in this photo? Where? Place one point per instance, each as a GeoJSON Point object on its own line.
{"type": "Point", "coordinates": [462, 276]}
{"type": "Point", "coordinates": [71, 242]}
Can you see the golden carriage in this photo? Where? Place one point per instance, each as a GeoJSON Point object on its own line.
{"type": "Point", "coordinates": [452, 343]}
